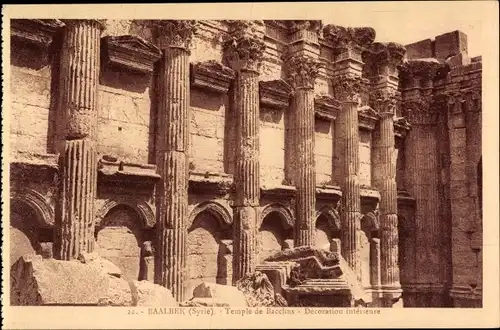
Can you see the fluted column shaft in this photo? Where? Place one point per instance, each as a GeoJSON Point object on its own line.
{"type": "Point", "coordinates": [305, 178]}
{"type": "Point", "coordinates": [384, 180]}
{"type": "Point", "coordinates": [247, 174]}
{"type": "Point", "coordinates": [172, 154]}
{"type": "Point", "coordinates": [348, 128]}
{"type": "Point", "coordinates": [79, 79]}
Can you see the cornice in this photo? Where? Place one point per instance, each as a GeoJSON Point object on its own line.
{"type": "Point", "coordinates": [326, 107]}
{"type": "Point", "coordinates": [401, 127]}
{"type": "Point", "coordinates": [37, 32]}
{"type": "Point", "coordinates": [275, 94]}
{"type": "Point", "coordinates": [367, 118]}
{"type": "Point", "coordinates": [212, 76]}
{"type": "Point", "coordinates": [131, 52]}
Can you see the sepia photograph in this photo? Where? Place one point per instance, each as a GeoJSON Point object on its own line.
{"type": "Point", "coordinates": [180, 166]}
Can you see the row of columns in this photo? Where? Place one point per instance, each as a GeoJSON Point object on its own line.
{"type": "Point", "coordinates": [244, 49]}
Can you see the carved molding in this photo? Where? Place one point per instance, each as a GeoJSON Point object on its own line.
{"type": "Point", "coordinates": [382, 54]}
{"type": "Point", "coordinates": [302, 71]}
{"type": "Point", "coordinates": [401, 127]}
{"type": "Point", "coordinates": [39, 32]}
{"type": "Point", "coordinates": [275, 94]}
{"type": "Point", "coordinates": [213, 208]}
{"type": "Point", "coordinates": [207, 183]}
{"type": "Point", "coordinates": [420, 112]}
{"type": "Point", "coordinates": [424, 69]}
{"type": "Point", "coordinates": [370, 221]}
{"type": "Point", "coordinates": [243, 47]}
{"type": "Point", "coordinates": [211, 75]}
{"type": "Point", "coordinates": [333, 217]}
{"type": "Point", "coordinates": [347, 37]}
{"type": "Point", "coordinates": [114, 172]}
{"type": "Point", "coordinates": [285, 214]}
{"type": "Point", "coordinates": [299, 25]}
{"type": "Point", "coordinates": [143, 209]}
{"type": "Point", "coordinates": [326, 107]}
{"type": "Point", "coordinates": [38, 202]}
{"type": "Point", "coordinates": [367, 118]}
{"type": "Point", "coordinates": [131, 52]}
{"type": "Point", "coordinates": [286, 192]}
{"type": "Point", "coordinates": [347, 88]}
{"type": "Point", "coordinates": [174, 33]}
{"type": "Point", "coordinates": [384, 101]}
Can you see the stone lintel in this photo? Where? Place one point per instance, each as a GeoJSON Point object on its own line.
{"type": "Point", "coordinates": [367, 118]}
{"type": "Point", "coordinates": [39, 32]}
{"type": "Point", "coordinates": [369, 194]}
{"type": "Point", "coordinates": [404, 198]}
{"type": "Point", "coordinates": [401, 127]}
{"type": "Point", "coordinates": [326, 107]}
{"type": "Point", "coordinates": [325, 192]}
{"type": "Point", "coordinates": [282, 191]}
{"type": "Point", "coordinates": [219, 184]}
{"type": "Point", "coordinates": [212, 76]}
{"type": "Point", "coordinates": [275, 94]}
{"type": "Point", "coordinates": [33, 167]}
{"type": "Point", "coordinates": [131, 52]}
{"type": "Point", "coordinates": [113, 171]}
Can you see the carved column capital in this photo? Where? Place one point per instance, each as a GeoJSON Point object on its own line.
{"type": "Point", "coordinates": [244, 46]}
{"type": "Point", "coordinates": [384, 102]}
{"type": "Point", "coordinates": [420, 111]}
{"type": "Point", "coordinates": [347, 38]}
{"type": "Point", "coordinates": [298, 25]}
{"type": "Point", "coordinates": [387, 53]}
{"type": "Point", "coordinates": [421, 70]}
{"type": "Point", "coordinates": [174, 33]}
{"type": "Point", "coordinates": [347, 88]}
{"type": "Point", "coordinates": [302, 71]}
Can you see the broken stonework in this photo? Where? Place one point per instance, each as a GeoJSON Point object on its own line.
{"type": "Point", "coordinates": [90, 280]}
{"type": "Point", "coordinates": [257, 289]}
{"type": "Point", "coordinates": [220, 295]}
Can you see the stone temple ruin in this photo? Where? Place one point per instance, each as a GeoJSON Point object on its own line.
{"type": "Point", "coordinates": [219, 163]}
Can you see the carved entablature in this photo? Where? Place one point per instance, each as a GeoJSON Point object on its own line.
{"type": "Point", "coordinates": [367, 118]}
{"type": "Point", "coordinates": [348, 88]}
{"type": "Point", "coordinates": [37, 32]}
{"type": "Point", "coordinates": [420, 111]}
{"type": "Point", "coordinates": [401, 127]}
{"type": "Point", "coordinates": [298, 25]}
{"type": "Point", "coordinates": [384, 101]}
{"type": "Point", "coordinates": [422, 70]}
{"type": "Point", "coordinates": [383, 56]}
{"type": "Point", "coordinates": [281, 192]}
{"type": "Point", "coordinates": [302, 71]}
{"type": "Point", "coordinates": [112, 172]}
{"type": "Point", "coordinates": [174, 33]}
{"type": "Point", "coordinates": [326, 107]}
{"type": "Point", "coordinates": [210, 183]}
{"type": "Point", "coordinates": [274, 94]}
{"type": "Point", "coordinates": [345, 38]}
{"type": "Point", "coordinates": [131, 52]}
{"type": "Point", "coordinates": [244, 46]}
{"type": "Point", "coordinates": [212, 76]}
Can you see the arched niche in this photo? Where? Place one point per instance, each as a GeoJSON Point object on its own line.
{"type": "Point", "coordinates": [24, 230]}
{"type": "Point", "coordinates": [275, 228]}
{"type": "Point", "coordinates": [327, 228]}
{"type": "Point", "coordinates": [119, 238]}
{"type": "Point", "coordinates": [209, 255]}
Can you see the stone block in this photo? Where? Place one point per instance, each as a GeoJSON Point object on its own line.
{"type": "Point", "coordinates": [204, 123]}
{"type": "Point", "coordinates": [420, 49]}
{"type": "Point", "coordinates": [222, 294]}
{"type": "Point", "coordinates": [450, 44]}
{"type": "Point", "coordinates": [31, 87]}
{"type": "Point", "coordinates": [36, 281]}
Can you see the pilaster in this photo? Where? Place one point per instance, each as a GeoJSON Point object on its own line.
{"type": "Point", "coordinates": [79, 79]}
{"type": "Point", "coordinates": [174, 39]}
{"type": "Point", "coordinates": [243, 51]}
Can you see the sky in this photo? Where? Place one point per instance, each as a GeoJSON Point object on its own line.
{"type": "Point", "coordinates": [409, 22]}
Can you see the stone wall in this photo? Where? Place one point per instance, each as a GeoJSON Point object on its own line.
{"type": "Point", "coordinates": [323, 151]}
{"type": "Point", "coordinates": [272, 146]}
{"type": "Point", "coordinates": [365, 158]}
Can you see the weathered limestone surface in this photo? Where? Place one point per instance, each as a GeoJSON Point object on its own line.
{"type": "Point", "coordinates": [220, 294]}
{"type": "Point", "coordinates": [79, 78]}
{"type": "Point", "coordinates": [90, 280]}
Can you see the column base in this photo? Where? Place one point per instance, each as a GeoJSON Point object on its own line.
{"type": "Point", "coordinates": [466, 297]}
{"type": "Point", "coordinates": [425, 295]}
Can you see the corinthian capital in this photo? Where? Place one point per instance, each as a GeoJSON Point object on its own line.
{"type": "Point", "coordinates": [302, 71]}
{"type": "Point", "coordinates": [384, 102]}
{"type": "Point", "coordinates": [347, 37]}
{"type": "Point", "coordinates": [244, 46]}
{"type": "Point", "coordinates": [425, 70]}
{"type": "Point", "coordinates": [175, 33]}
{"type": "Point", "coordinates": [347, 88]}
{"type": "Point", "coordinates": [382, 55]}
{"type": "Point", "coordinates": [298, 25]}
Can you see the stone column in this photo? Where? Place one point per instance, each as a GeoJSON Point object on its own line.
{"type": "Point", "coordinates": [383, 98]}
{"type": "Point", "coordinates": [349, 44]}
{"type": "Point", "coordinates": [174, 39]}
{"type": "Point", "coordinates": [302, 68]}
{"type": "Point", "coordinates": [243, 50]}
{"type": "Point", "coordinates": [302, 72]}
{"type": "Point", "coordinates": [79, 79]}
